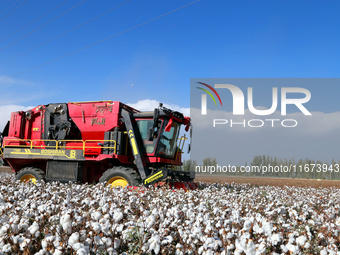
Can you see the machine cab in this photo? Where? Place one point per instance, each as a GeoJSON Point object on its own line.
{"type": "Point", "coordinates": [160, 131]}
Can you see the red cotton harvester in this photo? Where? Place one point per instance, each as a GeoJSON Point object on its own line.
{"type": "Point", "coordinates": [104, 141]}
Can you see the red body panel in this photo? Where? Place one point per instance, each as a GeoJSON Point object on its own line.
{"type": "Point", "coordinates": [94, 119]}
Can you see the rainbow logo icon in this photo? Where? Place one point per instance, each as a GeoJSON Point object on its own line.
{"type": "Point", "coordinates": [209, 93]}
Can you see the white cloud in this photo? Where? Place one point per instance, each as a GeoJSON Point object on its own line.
{"type": "Point", "coordinates": [315, 137]}
{"type": "Point", "coordinates": [6, 110]}
{"type": "Point", "coordinates": [7, 80]}
{"type": "Point", "coordinates": [150, 105]}
{"type": "Point", "coordinates": [318, 123]}
{"type": "Point", "coordinates": [143, 105]}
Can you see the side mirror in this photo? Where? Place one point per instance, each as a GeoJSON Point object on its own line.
{"type": "Point", "coordinates": [189, 144]}
{"type": "Point", "coordinates": [155, 118]}
{"type": "Point", "coordinates": [150, 134]}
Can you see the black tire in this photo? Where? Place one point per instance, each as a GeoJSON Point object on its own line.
{"type": "Point", "coordinates": [24, 173]}
{"type": "Point", "coordinates": [130, 175]}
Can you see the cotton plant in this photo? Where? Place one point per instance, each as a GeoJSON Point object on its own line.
{"type": "Point", "coordinates": [60, 218]}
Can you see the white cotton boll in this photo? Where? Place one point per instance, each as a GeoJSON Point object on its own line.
{"type": "Point", "coordinates": [82, 251]}
{"type": "Point", "coordinates": [208, 228]}
{"type": "Point", "coordinates": [230, 235]}
{"type": "Point", "coordinates": [106, 229]}
{"type": "Point", "coordinates": [66, 223]}
{"type": "Point", "coordinates": [311, 222]}
{"type": "Point", "coordinates": [179, 246]}
{"type": "Point", "coordinates": [120, 228]}
{"type": "Point", "coordinates": [154, 242]}
{"type": "Point", "coordinates": [24, 244]}
{"type": "Point", "coordinates": [260, 230]}
{"type": "Point", "coordinates": [41, 252]}
{"type": "Point", "coordinates": [167, 240]}
{"type": "Point", "coordinates": [301, 240]}
{"type": "Point", "coordinates": [307, 245]}
{"type": "Point", "coordinates": [261, 248]}
{"type": "Point", "coordinates": [150, 221]}
{"type": "Point", "coordinates": [57, 244]}
{"type": "Point", "coordinates": [267, 227]}
{"type": "Point", "coordinates": [41, 208]}
{"type": "Point", "coordinates": [238, 251]}
{"type": "Point", "coordinates": [44, 243]}
{"type": "Point", "coordinates": [107, 241]}
{"type": "Point", "coordinates": [98, 241]}
{"type": "Point", "coordinates": [154, 212]}
{"type": "Point", "coordinates": [111, 251]}
{"type": "Point", "coordinates": [337, 221]}
{"type": "Point", "coordinates": [78, 246]}
{"type": "Point", "coordinates": [231, 247]}
{"type": "Point", "coordinates": [96, 226]}
{"type": "Point", "coordinates": [15, 228]}
{"type": "Point", "coordinates": [6, 248]}
{"type": "Point", "coordinates": [73, 239]}
{"type": "Point", "coordinates": [320, 235]}
{"type": "Point", "coordinates": [179, 252]}
{"type": "Point", "coordinates": [247, 225]}
{"type": "Point", "coordinates": [96, 215]}
{"type": "Point", "coordinates": [145, 247]}
{"type": "Point", "coordinates": [37, 234]}
{"type": "Point", "coordinates": [200, 250]}
{"type": "Point", "coordinates": [284, 248]}
{"type": "Point", "coordinates": [293, 248]}
{"type": "Point", "coordinates": [33, 228]}
{"type": "Point", "coordinates": [250, 250]}
{"type": "Point", "coordinates": [275, 239]}
{"type": "Point", "coordinates": [58, 252]}
{"type": "Point", "coordinates": [118, 216]}
{"type": "Point", "coordinates": [18, 239]}
{"type": "Point", "coordinates": [218, 225]}
{"type": "Point", "coordinates": [3, 230]}
{"type": "Point", "coordinates": [116, 243]}
{"type": "Point", "coordinates": [323, 252]}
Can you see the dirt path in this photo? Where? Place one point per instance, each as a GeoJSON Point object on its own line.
{"type": "Point", "coordinates": [254, 180]}
{"type": "Point", "coordinates": [269, 181]}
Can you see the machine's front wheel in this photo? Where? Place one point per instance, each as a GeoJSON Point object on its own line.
{"type": "Point", "coordinates": [31, 174]}
{"type": "Point", "coordinates": [120, 176]}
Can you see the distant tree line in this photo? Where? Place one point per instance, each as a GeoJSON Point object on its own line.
{"type": "Point", "coordinates": [267, 166]}
{"type": "Point", "coordinates": [302, 168]}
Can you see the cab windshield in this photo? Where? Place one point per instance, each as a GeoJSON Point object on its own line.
{"type": "Point", "coordinates": [168, 141]}
{"type": "Point", "coordinates": [164, 143]}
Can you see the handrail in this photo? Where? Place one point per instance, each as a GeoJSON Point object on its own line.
{"type": "Point", "coordinates": [180, 146]}
{"type": "Point", "coordinates": [104, 147]}
{"type": "Point", "coordinates": [31, 144]}
{"type": "Point", "coordinates": [17, 140]}
{"type": "Point", "coordinates": [74, 141]}
{"type": "Point", "coordinates": [182, 142]}
{"type": "Point", "coordinates": [43, 140]}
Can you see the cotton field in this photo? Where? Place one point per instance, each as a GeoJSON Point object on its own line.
{"type": "Point", "coordinates": [56, 218]}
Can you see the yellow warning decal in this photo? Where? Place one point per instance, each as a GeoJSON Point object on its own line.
{"type": "Point", "coordinates": [154, 177]}
{"type": "Point", "coordinates": [45, 152]}
{"type": "Point", "coordinates": [134, 146]}
{"type": "Point", "coordinates": [133, 143]}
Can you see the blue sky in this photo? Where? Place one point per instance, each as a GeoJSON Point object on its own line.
{"type": "Point", "coordinates": [205, 39]}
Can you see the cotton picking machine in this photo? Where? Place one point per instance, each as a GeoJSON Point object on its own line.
{"type": "Point", "coordinates": [104, 141]}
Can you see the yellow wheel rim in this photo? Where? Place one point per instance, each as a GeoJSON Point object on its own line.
{"type": "Point", "coordinates": [28, 178]}
{"type": "Point", "coordinates": [117, 181]}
